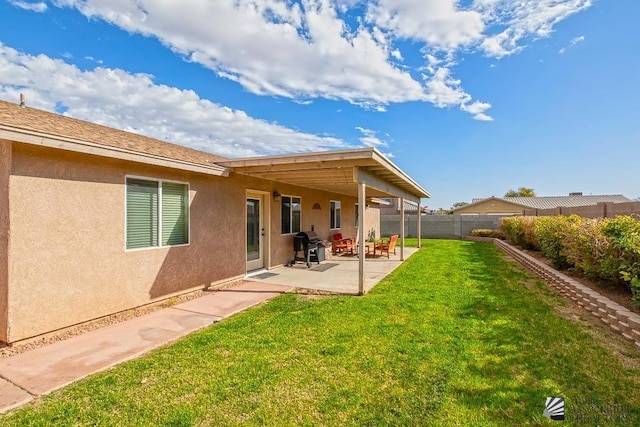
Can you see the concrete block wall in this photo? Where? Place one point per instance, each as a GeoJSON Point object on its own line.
{"type": "Point", "coordinates": [601, 210]}
{"type": "Point", "coordinates": [617, 317]}
{"type": "Point", "coordinates": [438, 226]}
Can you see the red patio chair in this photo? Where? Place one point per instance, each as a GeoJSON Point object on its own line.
{"type": "Point", "coordinates": [340, 244]}
{"type": "Point", "coordinates": [386, 246]}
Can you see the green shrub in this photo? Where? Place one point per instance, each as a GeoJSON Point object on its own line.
{"type": "Point", "coordinates": [605, 249]}
{"type": "Point", "coordinates": [485, 232]}
{"type": "Point", "coordinates": [585, 245]}
{"type": "Point", "coordinates": [549, 236]}
{"type": "Point", "coordinates": [621, 260]}
{"type": "Point", "coordinates": [519, 229]}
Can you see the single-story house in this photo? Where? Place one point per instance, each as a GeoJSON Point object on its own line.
{"type": "Point", "coordinates": [518, 205]}
{"type": "Point", "coordinates": [95, 220]}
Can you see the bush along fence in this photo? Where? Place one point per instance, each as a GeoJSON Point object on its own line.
{"type": "Point", "coordinates": [606, 249]}
{"type": "Point", "coordinates": [618, 318]}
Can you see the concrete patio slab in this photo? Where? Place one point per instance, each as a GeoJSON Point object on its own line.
{"type": "Point", "coordinates": [48, 368]}
{"type": "Point", "coordinates": [337, 274]}
{"type": "Point", "coordinates": [12, 396]}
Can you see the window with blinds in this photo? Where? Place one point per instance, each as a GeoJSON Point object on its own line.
{"type": "Point", "coordinates": [157, 213]}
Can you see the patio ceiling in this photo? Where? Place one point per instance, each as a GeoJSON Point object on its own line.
{"type": "Point", "coordinates": [334, 171]}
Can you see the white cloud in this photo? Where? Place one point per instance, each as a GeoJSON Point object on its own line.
{"type": "Point", "coordinates": [269, 47]}
{"type": "Point", "coordinates": [439, 23]}
{"type": "Point", "coordinates": [370, 138]}
{"type": "Point", "coordinates": [512, 22]}
{"type": "Point", "coordinates": [279, 47]}
{"type": "Point", "coordinates": [135, 103]}
{"type": "Point", "coordinates": [574, 41]}
{"type": "Point", "coordinates": [477, 109]}
{"type": "Point", "coordinates": [38, 7]}
{"type": "Point", "coordinates": [305, 49]}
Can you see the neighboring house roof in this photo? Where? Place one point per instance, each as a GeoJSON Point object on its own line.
{"type": "Point", "coordinates": [33, 125]}
{"type": "Point", "coordinates": [551, 202]}
{"type": "Point", "coordinates": [566, 201]}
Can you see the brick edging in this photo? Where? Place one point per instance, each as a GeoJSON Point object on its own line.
{"type": "Point", "coordinates": [619, 319]}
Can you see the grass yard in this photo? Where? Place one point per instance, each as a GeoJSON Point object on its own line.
{"type": "Point", "coordinates": [458, 335]}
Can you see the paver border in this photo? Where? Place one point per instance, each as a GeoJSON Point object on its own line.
{"type": "Point", "coordinates": [617, 317]}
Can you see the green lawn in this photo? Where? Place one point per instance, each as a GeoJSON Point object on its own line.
{"type": "Point", "coordinates": [455, 336]}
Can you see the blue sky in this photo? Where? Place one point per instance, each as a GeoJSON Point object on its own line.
{"type": "Point", "coordinates": [470, 98]}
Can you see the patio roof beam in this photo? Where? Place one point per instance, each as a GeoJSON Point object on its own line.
{"type": "Point", "coordinates": [363, 176]}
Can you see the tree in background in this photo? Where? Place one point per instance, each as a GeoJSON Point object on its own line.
{"type": "Point", "coordinates": [459, 204]}
{"type": "Point", "coordinates": [522, 192]}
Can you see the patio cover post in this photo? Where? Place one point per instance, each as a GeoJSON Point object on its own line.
{"type": "Point", "coordinates": [401, 228]}
{"type": "Point", "coordinates": [419, 230]}
{"type": "Point", "coordinates": [361, 226]}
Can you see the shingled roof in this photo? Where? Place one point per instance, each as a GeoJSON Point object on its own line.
{"type": "Point", "coordinates": [552, 202]}
{"type": "Point", "coordinates": [13, 116]}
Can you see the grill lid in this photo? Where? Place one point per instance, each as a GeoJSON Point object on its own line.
{"type": "Point", "coordinates": [309, 236]}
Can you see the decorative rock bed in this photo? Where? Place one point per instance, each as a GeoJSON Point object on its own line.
{"type": "Point", "coordinates": [619, 319]}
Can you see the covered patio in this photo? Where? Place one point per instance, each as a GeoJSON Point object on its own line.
{"type": "Point", "coordinates": [362, 173]}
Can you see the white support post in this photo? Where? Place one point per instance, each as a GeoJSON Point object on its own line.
{"type": "Point", "coordinates": [361, 226]}
{"type": "Point", "coordinates": [419, 226]}
{"type": "Point", "coordinates": [401, 199]}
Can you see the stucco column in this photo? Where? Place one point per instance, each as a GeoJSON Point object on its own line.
{"type": "Point", "coordinates": [401, 228]}
{"type": "Point", "coordinates": [5, 173]}
{"type": "Point", "coordinates": [362, 228]}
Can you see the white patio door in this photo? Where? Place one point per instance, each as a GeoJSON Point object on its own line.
{"type": "Point", "coordinates": [255, 232]}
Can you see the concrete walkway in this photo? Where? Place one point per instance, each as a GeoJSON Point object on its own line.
{"type": "Point", "coordinates": [28, 375]}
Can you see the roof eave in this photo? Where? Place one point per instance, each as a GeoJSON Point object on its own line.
{"type": "Point", "coordinates": [365, 154]}
{"type": "Point", "coordinates": [53, 141]}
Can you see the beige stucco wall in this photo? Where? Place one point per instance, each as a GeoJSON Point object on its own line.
{"type": "Point", "coordinates": [281, 245]}
{"type": "Point", "coordinates": [491, 206]}
{"type": "Point", "coordinates": [372, 221]}
{"type": "Point", "coordinates": [67, 257]}
{"type": "Point", "coordinates": [5, 172]}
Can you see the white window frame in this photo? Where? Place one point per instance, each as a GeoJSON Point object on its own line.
{"type": "Point", "coordinates": [159, 181]}
{"type": "Point", "coordinates": [291, 197]}
{"type": "Point", "coordinates": [335, 205]}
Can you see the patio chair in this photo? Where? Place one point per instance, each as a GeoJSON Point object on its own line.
{"type": "Point", "coordinates": [340, 244]}
{"type": "Point", "coordinates": [386, 247]}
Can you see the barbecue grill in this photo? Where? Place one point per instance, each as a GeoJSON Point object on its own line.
{"type": "Point", "coordinates": [306, 248]}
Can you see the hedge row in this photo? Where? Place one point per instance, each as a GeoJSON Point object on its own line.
{"type": "Point", "coordinates": [605, 249]}
{"type": "Point", "coordinates": [485, 232]}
